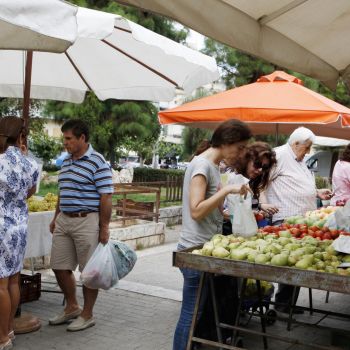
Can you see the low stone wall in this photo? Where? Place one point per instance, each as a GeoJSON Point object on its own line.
{"type": "Point", "coordinates": [142, 234]}
{"type": "Point", "coordinates": [138, 234]}
{"type": "Point", "coordinates": [171, 215]}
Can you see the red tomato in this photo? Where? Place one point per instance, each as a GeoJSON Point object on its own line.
{"type": "Point", "coordinates": [326, 236]}
{"type": "Point", "coordinates": [303, 235]}
{"type": "Point", "coordinates": [295, 231]}
{"type": "Point", "coordinates": [268, 229]}
{"type": "Point", "coordinates": [319, 233]}
{"type": "Point", "coordinates": [318, 238]}
{"type": "Point", "coordinates": [334, 234]}
{"type": "Point", "coordinates": [314, 228]}
{"type": "Point", "coordinates": [325, 229]}
{"type": "Point", "coordinates": [310, 232]}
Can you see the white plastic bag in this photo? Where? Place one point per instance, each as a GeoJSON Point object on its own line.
{"type": "Point", "coordinates": [240, 210]}
{"type": "Point", "coordinates": [340, 219]}
{"type": "Point", "coordinates": [101, 271]}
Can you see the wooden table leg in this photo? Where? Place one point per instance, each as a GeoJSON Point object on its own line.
{"type": "Point", "coordinates": [215, 309]}
{"type": "Point", "coordinates": [195, 312]}
{"type": "Point", "coordinates": [239, 308]}
{"type": "Point", "coordinates": [261, 311]}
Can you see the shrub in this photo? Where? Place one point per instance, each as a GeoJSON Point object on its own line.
{"type": "Point", "coordinates": [152, 175]}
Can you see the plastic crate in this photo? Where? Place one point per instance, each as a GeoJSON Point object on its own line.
{"type": "Point", "coordinates": [30, 286]}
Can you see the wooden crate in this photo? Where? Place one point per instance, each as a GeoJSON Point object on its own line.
{"type": "Point", "coordinates": [30, 286]}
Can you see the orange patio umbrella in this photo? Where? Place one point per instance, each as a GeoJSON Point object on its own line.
{"type": "Point", "coordinates": [275, 103]}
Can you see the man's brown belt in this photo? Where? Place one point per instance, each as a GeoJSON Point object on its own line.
{"type": "Point", "coordinates": [80, 214]}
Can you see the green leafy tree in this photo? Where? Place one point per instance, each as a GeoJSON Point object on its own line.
{"type": "Point", "coordinates": [111, 122]}
{"type": "Point", "coordinates": [14, 107]}
{"type": "Point", "coordinates": [169, 149]}
{"type": "Point", "coordinates": [192, 137]}
{"type": "Point", "coordinates": [237, 68]}
{"type": "Point", "coordinates": [44, 146]}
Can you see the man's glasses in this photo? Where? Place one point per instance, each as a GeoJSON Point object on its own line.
{"type": "Point", "coordinates": [259, 165]}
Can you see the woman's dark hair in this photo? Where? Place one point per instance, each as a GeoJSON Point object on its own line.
{"type": "Point", "coordinates": [227, 133]}
{"type": "Point", "coordinates": [345, 156]}
{"type": "Point", "coordinates": [257, 152]}
{"type": "Point", "coordinates": [10, 129]}
{"type": "Point", "coordinates": [78, 128]}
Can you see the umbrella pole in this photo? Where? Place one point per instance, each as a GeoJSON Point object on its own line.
{"type": "Point", "coordinates": [276, 140]}
{"type": "Point", "coordinates": [27, 83]}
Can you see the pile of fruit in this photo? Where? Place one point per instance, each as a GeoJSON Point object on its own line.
{"type": "Point", "coordinates": [307, 253]}
{"type": "Point", "coordinates": [312, 218]}
{"type": "Point", "coordinates": [251, 289]}
{"type": "Point", "coordinates": [42, 203]}
{"type": "Point", "coordinates": [301, 230]}
{"type": "Point", "coordinates": [312, 224]}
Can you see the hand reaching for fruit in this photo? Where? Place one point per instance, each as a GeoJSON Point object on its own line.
{"type": "Point", "coordinates": [269, 209]}
{"type": "Point", "coordinates": [324, 194]}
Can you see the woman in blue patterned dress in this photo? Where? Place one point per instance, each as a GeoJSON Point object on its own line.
{"type": "Point", "coordinates": [18, 175]}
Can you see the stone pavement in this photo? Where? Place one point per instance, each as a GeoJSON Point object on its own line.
{"type": "Point", "coordinates": [141, 313]}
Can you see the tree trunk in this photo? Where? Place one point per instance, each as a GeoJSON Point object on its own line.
{"type": "Point", "coordinates": [142, 160]}
{"type": "Point", "coordinates": [112, 155]}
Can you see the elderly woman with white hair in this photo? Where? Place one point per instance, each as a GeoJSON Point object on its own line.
{"type": "Point", "coordinates": [292, 189]}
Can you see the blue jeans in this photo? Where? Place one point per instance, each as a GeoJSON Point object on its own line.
{"type": "Point", "coordinates": [189, 295]}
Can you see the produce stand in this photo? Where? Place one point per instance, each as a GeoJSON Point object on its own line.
{"type": "Point", "coordinates": [279, 274]}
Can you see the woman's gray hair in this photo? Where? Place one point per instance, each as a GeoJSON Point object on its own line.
{"type": "Point", "coordinates": [301, 135]}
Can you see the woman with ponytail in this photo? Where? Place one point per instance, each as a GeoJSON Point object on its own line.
{"type": "Point", "coordinates": [18, 176]}
{"type": "Point", "coordinates": [203, 196]}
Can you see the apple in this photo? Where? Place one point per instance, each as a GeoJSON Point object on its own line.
{"type": "Point", "coordinates": [259, 216]}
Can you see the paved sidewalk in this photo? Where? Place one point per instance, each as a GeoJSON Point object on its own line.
{"type": "Point", "coordinates": [142, 312]}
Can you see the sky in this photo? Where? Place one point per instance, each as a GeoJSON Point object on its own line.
{"type": "Point", "coordinates": [195, 40]}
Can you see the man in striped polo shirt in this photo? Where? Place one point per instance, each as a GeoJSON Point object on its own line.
{"type": "Point", "coordinates": [81, 220]}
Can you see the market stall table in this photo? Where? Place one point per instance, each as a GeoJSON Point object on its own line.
{"type": "Point", "coordinates": [279, 274]}
{"type": "Point", "coordinates": [39, 242]}
{"type": "Point", "coordinates": [39, 238]}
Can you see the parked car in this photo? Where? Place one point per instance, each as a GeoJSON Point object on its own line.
{"type": "Point", "coordinates": [322, 163]}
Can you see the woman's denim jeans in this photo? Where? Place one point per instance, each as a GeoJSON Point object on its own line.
{"type": "Point", "coordinates": [189, 295]}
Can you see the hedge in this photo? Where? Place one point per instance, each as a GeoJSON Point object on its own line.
{"type": "Point", "coordinates": [152, 175]}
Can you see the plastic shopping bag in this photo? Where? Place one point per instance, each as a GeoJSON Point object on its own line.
{"type": "Point", "coordinates": [242, 217]}
{"type": "Point", "coordinates": [340, 219]}
{"type": "Point", "coordinates": [240, 210]}
{"type": "Point", "coordinates": [125, 258]}
{"type": "Point", "coordinates": [101, 270]}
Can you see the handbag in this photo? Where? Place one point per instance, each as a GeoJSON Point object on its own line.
{"type": "Point", "coordinates": [125, 258]}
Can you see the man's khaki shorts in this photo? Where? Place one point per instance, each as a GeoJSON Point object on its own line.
{"type": "Point", "coordinates": [74, 241]}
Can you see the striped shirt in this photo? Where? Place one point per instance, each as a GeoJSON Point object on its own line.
{"type": "Point", "coordinates": [82, 181]}
{"type": "Point", "coordinates": [292, 187]}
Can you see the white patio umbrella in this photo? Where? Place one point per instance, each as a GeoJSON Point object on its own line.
{"type": "Point", "coordinates": [38, 25]}
{"type": "Point", "coordinates": [307, 36]}
{"type": "Point", "coordinates": [114, 58]}
{"type": "Point", "coordinates": [49, 25]}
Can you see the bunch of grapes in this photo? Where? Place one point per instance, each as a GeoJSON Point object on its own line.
{"type": "Point", "coordinates": [45, 204]}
